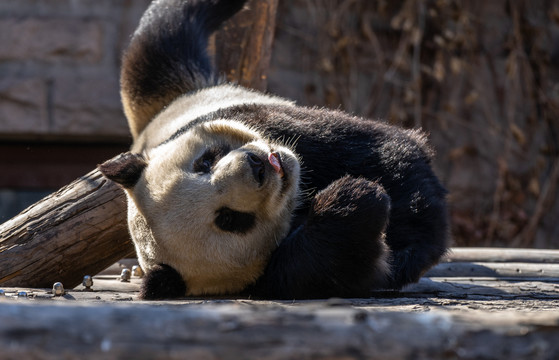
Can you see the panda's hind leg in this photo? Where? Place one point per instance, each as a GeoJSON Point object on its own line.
{"type": "Point", "coordinates": [417, 241]}
{"type": "Point", "coordinates": [339, 251]}
{"type": "Point", "coordinates": [418, 233]}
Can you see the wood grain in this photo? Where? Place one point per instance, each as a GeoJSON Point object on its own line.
{"type": "Point", "coordinates": [233, 330]}
{"type": "Point", "coordinates": [78, 230]}
{"type": "Point", "coordinates": [451, 317]}
{"type": "Point", "coordinates": [477, 254]}
{"type": "Point", "coordinates": [245, 44]}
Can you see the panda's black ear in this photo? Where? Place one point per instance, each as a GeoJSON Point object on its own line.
{"type": "Point", "coordinates": [162, 282]}
{"type": "Point", "coordinates": [124, 169]}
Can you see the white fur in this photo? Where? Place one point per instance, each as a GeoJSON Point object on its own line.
{"type": "Point", "coordinates": [191, 106]}
{"type": "Point", "coordinates": [172, 208]}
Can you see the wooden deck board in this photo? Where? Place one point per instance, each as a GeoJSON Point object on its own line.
{"type": "Point", "coordinates": [452, 313]}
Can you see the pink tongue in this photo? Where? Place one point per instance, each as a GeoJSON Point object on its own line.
{"type": "Point", "coordinates": [274, 161]}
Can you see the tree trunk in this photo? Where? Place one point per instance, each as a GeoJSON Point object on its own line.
{"type": "Point", "coordinates": [81, 229]}
{"type": "Point", "coordinates": [244, 46]}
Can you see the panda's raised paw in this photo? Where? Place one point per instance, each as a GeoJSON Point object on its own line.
{"type": "Point", "coordinates": [351, 203]}
{"type": "Point", "coordinates": [340, 249]}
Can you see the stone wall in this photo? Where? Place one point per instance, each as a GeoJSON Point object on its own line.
{"type": "Point", "coordinates": [59, 71]}
{"type": "Point", "coordinates": [59, 67]}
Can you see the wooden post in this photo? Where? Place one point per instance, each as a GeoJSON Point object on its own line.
{"type": "Point", "coordinates": [244, 46]}
{"type": "Point", "coordinates": [81, 229]}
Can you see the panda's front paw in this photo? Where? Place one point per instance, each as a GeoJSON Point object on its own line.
{"type": "Point", "coordinates": [162, 282]}
{"type": "Point", "coordinates": [351, 203]}
{"type": "Point", "coordinates": [340, 249]}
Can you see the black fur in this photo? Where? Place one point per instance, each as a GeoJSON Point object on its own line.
{"type": "Point", "coordinates": [170, 33]}
{"type": "Point", "coordinates": [163, 282]}
{"type": "Point", "coordinates": [335, 252]}
{"type": "Point", "coordinates": [205, 163]}
{"type": "Point", "coordinates": [333, 144]}
{"type": "Point", "coordinates": [372, 181]}
{"type": "Point", "coordinates": [167, 56]}
{"type": "Point", "coordinates": [234, 221]}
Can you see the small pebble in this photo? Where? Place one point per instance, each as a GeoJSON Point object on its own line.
{"type": "Point", "coordinates": [87, 282]}
{"type": "Point", "coordinates": [137, 271]}
{"type": "Point", "coordinates": [58, 289]}
{"type": "Point", "coordinates": [125, 275]}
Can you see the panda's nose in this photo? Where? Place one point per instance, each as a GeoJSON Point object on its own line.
{"type": "Point", "coordinates": [257, 167]}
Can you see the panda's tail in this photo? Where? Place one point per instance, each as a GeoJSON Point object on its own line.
{"type": "Point", "coordinates": [167, 55]}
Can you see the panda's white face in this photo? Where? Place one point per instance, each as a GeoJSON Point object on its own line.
{"type": "Point", "coordinates": [216, 209]}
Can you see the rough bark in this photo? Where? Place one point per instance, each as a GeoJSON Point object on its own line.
{"type": "Point", "coordinates": [453, 317]}
{"type": "Point", "coordinates": [244, 45]}
{"type": "Point", "coordinates": [81, 229]}
{"type": "Point", "coordinates": [78, 230]}
{"type": "Point", "coordinates": [237, 330]}
{"type": "Point", "coordinates": [475, 254]}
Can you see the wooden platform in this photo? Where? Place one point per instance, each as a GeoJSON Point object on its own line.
{"type": "Point", "coordinates": [478, 304]}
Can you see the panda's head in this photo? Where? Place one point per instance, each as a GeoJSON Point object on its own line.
{"type": "Point", "coordinates": [211, 203]}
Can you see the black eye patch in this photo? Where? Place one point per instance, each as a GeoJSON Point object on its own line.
{"type": "Point", "coordinates": [212, 155]}
{"type": "Point", "coordinates": [234, 221]}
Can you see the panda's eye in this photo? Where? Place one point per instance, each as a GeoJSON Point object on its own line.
{"type": "Point", "coordinates": [234, 221]}
{"type": "Point", "coordinates": [206, 166]}
{"type": "Point", "coordinates": [203, 165]}
{"type": "Point", "coordinates": [211, 156]}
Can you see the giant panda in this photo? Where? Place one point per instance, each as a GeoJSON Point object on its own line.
{"type": "Point", "coordinates": [235, 192]}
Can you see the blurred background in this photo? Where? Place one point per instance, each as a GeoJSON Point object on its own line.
{"type": "Point", "coordinates": [481, 77]}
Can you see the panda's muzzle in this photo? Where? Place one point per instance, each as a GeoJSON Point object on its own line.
{"type": "Point", "coordinates": [258, 168]}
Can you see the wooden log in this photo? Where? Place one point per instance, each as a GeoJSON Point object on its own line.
{"type": "Point", "coordinates": [496, 270]}
{"type": "Point", "coordinates": [503, 255]}
{"type": "Point", "coordinates": [233, 330]}
{"type": "Point", "coordinates": [466, 318]}
{"type": "Point", "coordinates": [482, 288]}
{"type": "Point", "coordinates": [81, 229]}
{"type": "Point", "coordinates": [76, 231]}
{"type": "Point", "coordinates": [542, 295]}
